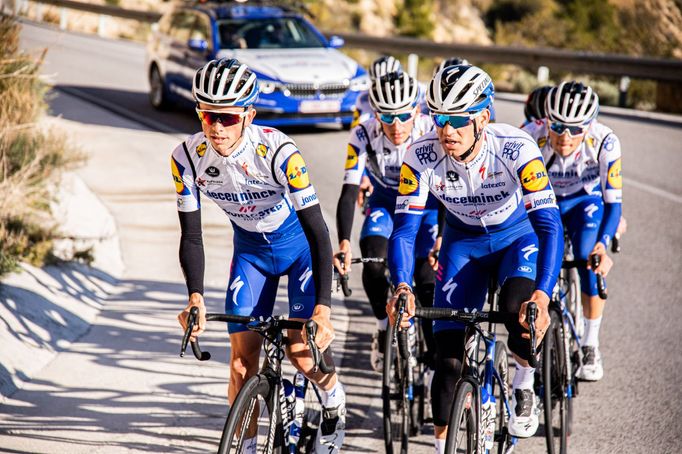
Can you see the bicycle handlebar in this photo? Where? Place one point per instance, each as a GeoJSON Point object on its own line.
{"type": "Point", "coordinates": [615, 244]}
{"type": "Point", "coordinates": [531, 315]}
{"type": "Point", "coordinates": [601, 283]}
{"type": "Point", "coordinates": [342, 280]}
{"type": "Point", "coordinates": [256, 324]}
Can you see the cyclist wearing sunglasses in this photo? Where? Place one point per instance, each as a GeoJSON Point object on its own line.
{"type": "Point", "coordinates": [377, 147]}
{"type": "Point", "coordinates": [501, 217]}
{"type": "Point", "coordinates": [259, 178]}
{"type": "Point", "coordinates": [584, 162]}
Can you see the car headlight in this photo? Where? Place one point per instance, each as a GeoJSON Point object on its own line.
{"type": "Point", "coordinates": [267, 87]}
{"type": "Point", "coordinates": [360, 83]}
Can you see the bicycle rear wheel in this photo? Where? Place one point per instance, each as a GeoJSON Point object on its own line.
{"type": "Point", "coordinates": [396, 406]}
{"type": "Point", "coordinates": [463, 427]}
{"type": "Point", "coordinates": [254, 419]}
{"type": "Point", "coordinates": [556, 403]}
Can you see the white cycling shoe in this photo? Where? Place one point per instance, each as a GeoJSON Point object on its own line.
{"type": "Point", "coordinates": [332, 430]}
{"type": "Point", "coordinates": [525, 414]}
{"type": "Point", "coordinates": [591, 368]}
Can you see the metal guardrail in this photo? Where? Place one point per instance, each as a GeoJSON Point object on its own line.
{"type": "Point", "coordinates": [659, 69]}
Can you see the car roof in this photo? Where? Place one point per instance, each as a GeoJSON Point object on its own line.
{"type": "Point", "coordinates": [231, 9]}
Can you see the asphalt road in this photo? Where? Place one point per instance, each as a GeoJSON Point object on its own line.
{"type": "Point", "coordinates": [83, 402]}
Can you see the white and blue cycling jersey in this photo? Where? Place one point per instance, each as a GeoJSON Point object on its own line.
{"type": "Point", "coordinates": [259, 186]}
{"type": "Point", "coordinates": [588, 185]}
{"type": "Point", "coordinates": [371, 153]}
{"type": "Point", "coordinates": [501, 214]}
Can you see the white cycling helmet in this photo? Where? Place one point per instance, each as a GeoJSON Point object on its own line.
{"type": "Point", "coordinates": [454, 61]}
{"type": "Point", "coordinates": [460, 90]}
{"type": "Point", "coordinates": [384, 65]}
{"type": "Point", "coordinates": [224, 83]}
{"type": "Point", "coordinates": [572, 103]}
{"type": "Point", "coordinates": [394, 92]}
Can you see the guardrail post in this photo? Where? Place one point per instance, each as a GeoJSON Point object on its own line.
{"type": "Point", "coordinates": [623, 91]}
{"type": "Point", "coordinates": [63, 18]}
{"type": "Point", "coordinates": [543, 74]}
{"type": "Point", "coordinates": [413, 65]}
{"type": "Point", "coordinates": [102, 25]}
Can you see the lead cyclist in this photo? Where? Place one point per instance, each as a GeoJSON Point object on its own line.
{"type": "Point", "coordinates": [584, 163]}
{"type": "Point", "coordinates": [258, 177]}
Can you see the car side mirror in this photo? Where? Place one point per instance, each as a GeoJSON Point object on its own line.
{"type": "Point", "coordinates": [198, 45]}
{"type": "Point", "coordinates": [336, 42]}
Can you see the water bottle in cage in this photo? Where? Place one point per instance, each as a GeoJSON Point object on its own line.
{"type": "Point", "coordinates": [488, 415]}
{"type": "Point", "coordinates": [300, 385]}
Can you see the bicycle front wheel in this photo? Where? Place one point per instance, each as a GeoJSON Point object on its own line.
{"type": "Point", "coordinates": [554, 372]}
{"type": "Point", "coordinates": [254, 420]}
{"type": "Point", "coordinates": [463, 426]}
{"type": "Point", "coordinates": [396, 406]}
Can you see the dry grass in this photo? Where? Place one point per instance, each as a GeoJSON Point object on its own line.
{"type": "Point", "coordinates": [31, 157]}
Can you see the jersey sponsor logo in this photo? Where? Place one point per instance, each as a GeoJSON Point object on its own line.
{"type": "Point", "coordinates": [200, 182]}
{"type": "Point", "coordinates": [609, 142]}
{"type": "Point", "coordinates": [534, 176]}
{"type": "Point", "coordinates": [425, 153]}
{"type": "Point", "coordinates": [451, 175]}
{"type": "Point", "coordinates": [529, 250]}
{"type": "Point", "coordinates": [177, 169]}
{"type": "Point", "coordinates": [409, 180]}
{"type": "Point", "coordinates": [525, 269]}
{"type": "Point", "coordinates": [308, 199]}
{"type": "Point", "coordinates": [212, 171]}
{"type": "Point", "coordinates": [201, 149]}
{"type": "Point", "coordinates": [591, 209]}
{"type": "Point", "coordinates": [352, 158]}
{"type": "Point", "coordinates": [375, 215]}
{"type": "Point", "coordinates": [477, 199]}
{"type": "Point", "coordinates": [537, 203]}
{"type": "Point", "coordinates": [262, 150]}
{"type": "Point", "coordinates": [590, 142]}
{"type": "Point", "coordinates": [296, 172]}
{"type": "Point", "coordinates": [499, 184]}
{"type": "Point", "coordinates": [360, 134]}
{"type": "Point", "coordinates": [614, 177]}
{"type": "Point", "coordinates": [235, 287]}
{"type": "Point", "coordinates": [448, 288]}
{"type": "Point", "coordinates": [511, 150]}
{"type": "Point", "coordinates": [304, 278]}
{"type": "Point", "coordinates": [298, 307]}
{"type": "Point", "coordinates": [239, 197]}
{"type": "Point", "coordinates": [541, 142]}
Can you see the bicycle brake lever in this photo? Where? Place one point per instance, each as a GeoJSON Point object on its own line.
{"type": "Point", "coordinates": [191, 320]}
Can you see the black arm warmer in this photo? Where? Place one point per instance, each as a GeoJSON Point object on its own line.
{"type": "Point", "coordinates": [345, 210]}
{"type": "Point", "coordinates": [192, 251]}
{"type": "Point", "coordinates": [317, 234]}
{"type": "Point", "coordinates": [441, 219]}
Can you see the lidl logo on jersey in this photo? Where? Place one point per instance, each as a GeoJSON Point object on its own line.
{"type": "Point", "coordinates": [262, 150]}
{"type": "Point", "coordinates": [177, 171]}
{"type": "Point", "coordinates": [614, 178]}
{"type": "Point", "coordinates": [542, 141]}
{"type": "Point", "coordinates": [534, 176]}
{"type": "Point", "coordinates": [352, 158]}
{"type": "Point", "coordinates": [201, 149]}
{"type": "Point", "coordinates": [296, 172]}
{"type": "Point", "coordinates": [409, 180]}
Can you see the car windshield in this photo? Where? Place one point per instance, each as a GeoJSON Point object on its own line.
{"type": "Point", "coordinates": [270, 33]}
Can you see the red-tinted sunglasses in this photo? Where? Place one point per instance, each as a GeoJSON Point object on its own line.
{"type": "Point", "coordinates": [224, 118]}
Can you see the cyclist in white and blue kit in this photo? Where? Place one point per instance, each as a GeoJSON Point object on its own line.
{"type": "Point", "coordinates": [584, 163]}
{"type": "Point", "coordinates": [501, 217]}
{"type": "Point", "coordinates": [259, 178]}
{"type": "Point", "coordinates": [376, 148]}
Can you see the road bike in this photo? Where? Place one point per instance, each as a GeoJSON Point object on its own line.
{"type": "Point", "coordinates": [270, 413]}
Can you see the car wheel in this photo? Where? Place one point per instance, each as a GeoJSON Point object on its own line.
{"type": "Point", "coordinates": [158, 95]}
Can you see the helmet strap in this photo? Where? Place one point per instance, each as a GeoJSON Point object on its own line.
{"type": "Point", "coordinates": [477, 137]}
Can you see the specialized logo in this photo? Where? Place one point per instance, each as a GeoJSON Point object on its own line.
{"type": "Point", "coordinates": [297, 172]}
{"type": "Point", "coordinates": [614, 177]}
{"type": "Point", "coordinates": [262, 150]}
{"type": "Point", "coordinates": [591, 209]}
{"type": "Point", "coordinates": [425, 153]}
{"type": "Point", "coordinates": [235, 287]}
{"type": "Point", "coordinates": [177, 170]}
{"type": "Point", "coordinates": [305, 277]}
{"type": "Point", "coordinates": [375, 215]}
{"type": "Point", "coordinates": [511, 150]}
{"type": "Point", "coordinates": [352, 158]}
{"type": "Point", "coordinates": [245, 168]}
{"type": "Point", "coordinates": [201, 149]}
{"type": "Point", "coordinates": [409, 180]}
{"type": "Point", "coordinates": [481, 171]}
{"type": "Point", "coordinates": [529, 250]}
{"type": "Point", "coordinates": [212, 171]}
{"type": "Point", "coordinates": [534, 176]}
{"type": "Point", "coordinates": [449, 287]}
